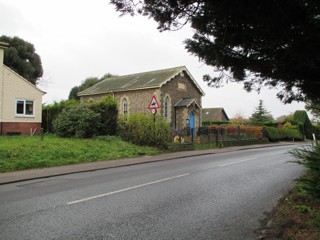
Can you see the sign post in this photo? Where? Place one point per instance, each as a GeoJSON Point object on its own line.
{"type": "Point", "coordinates": [153, 106]}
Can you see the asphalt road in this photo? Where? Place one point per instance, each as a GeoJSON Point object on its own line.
{"type": "Point", "coordinates": [218, 196]}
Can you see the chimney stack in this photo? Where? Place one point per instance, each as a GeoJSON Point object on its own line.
{"type": "Point", "coordinates": [3, 46]}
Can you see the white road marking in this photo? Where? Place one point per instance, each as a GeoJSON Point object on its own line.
{"type": "Point", "coordinates": [227, 164]}
{"type": "Point", "coordinates": [126, 189]}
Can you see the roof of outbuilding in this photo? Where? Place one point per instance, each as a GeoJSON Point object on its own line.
{"type": "Point", "coordinates": [145, 80]}
{"type": "Point", "coordinates": [212, 113]}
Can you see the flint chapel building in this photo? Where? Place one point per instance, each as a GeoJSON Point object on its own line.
{"type": "Point", "coordinates": [173, 90]}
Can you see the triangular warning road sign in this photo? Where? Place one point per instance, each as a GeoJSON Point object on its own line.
{"type": "Point", "coordinates": [153, 103]}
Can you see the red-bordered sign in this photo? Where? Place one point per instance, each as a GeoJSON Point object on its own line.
{"type": "Point", "coordinates": [153, 103]}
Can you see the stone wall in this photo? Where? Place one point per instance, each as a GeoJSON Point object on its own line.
{"type": "Point", "coordinates": [138, 100]}
{"type": "Point", "coordinates": [179, 87]}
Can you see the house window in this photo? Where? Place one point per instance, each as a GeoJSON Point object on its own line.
{"type": "Point", "coordinates": [24, 107]}
{"type": "Point", "coordinates": [125, 106]}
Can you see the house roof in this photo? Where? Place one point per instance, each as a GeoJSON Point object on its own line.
{"type": "Point", "coordinates": [212, 114]}
{"type": "Point", "coordinates": [186, 102]}
{"type": "Point", "coordinates": [138, 81]}
{"type": "Point", "coordinates": [4, 45]}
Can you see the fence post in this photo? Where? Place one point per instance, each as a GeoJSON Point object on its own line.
{"type": "Point", "coordinates": [41, 133]}
{"type": "Point", "coordinates": [217, 137]}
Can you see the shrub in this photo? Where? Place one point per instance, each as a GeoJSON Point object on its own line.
{"type": "Point", "coordinates": [50, 112]}
{"type": "Point", "coordinates": [251, 131]}
{"type": "Point", "coordinates": [77, 121]}
{"type": "Point", "coordinates": [302, 118]}
{"type": "Point", "coordinates": [309, 156]}
{"type": "Point", "coordinates": [266, 124]}
{"type": "Point", "coordinates": [107, 108]}
{"type": "Point", "coordinates": [289, 125]}
{"type": "Point", "coordinates": [145, 130]}
{"type": "Point", "coordinates": [289, 134]}
{"type": "Point", "coordinates": [271, 133]}
{"type": "Point", "coordinates": [277, 134]}
{"type": "Point", "coordinates": [316, 131]}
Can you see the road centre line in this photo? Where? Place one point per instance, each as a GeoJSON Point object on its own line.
{"type": "Point", "coordinates": [126, 189]}
{"type": "Point", "coordinates": [227, 164]}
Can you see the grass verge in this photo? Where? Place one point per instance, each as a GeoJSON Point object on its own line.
{"type": "Point", "coordinates": [24, 152]}
{"type": "Point", "coordinates": [296, 217]}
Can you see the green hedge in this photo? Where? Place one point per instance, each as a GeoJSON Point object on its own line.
{"type": "Point", "coordinates": [316, 131]}
{"type": "Point", "coordinates": [50, 112]}
{"type": "Point", "coordinates": [145, 129]}
{"type": "Point", "coordinates": [108, 111]}
{"type": "Point", "coordinates": [84, 119]}
{"type": "Point", "coordinates": [266, 124]}
{"type": "Point", "coordinates": [77, 121]}
{"type": "Point", "coordinates": [305, 124]}
{"type": "Point", "coordinates": [278, 134]}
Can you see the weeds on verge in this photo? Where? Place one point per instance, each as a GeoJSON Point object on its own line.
{"type": "Point", "coordinates": [24, 152]}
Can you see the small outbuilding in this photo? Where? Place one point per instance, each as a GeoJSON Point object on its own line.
{"type": "Point", "coordinates": [214, 114]}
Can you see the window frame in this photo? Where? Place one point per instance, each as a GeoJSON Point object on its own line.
{"type": "Point", "coordinates": [125, 106]}
{"type": "Point", "coordinates": [25, 111]}
{"type": "Point", "coordinates": [167, 108]}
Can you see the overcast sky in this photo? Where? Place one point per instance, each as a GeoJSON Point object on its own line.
{"type": "Point", "coordinates": [77, 39]}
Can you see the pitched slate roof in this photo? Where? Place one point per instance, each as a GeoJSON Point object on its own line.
{"type": "Point", "coordinates": [138, 81]}
{"type": "Point", "coordinates": [186, 102]}
{"type": "Point", "coordinates": [213, 114]}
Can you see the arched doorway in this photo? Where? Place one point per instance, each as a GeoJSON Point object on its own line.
{"type": "Point", "coordinates": [192, 125]}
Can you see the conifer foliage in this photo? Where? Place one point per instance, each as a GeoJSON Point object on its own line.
{"type": "Point", "coordinates": [261, 114]}
{"type": "Point", "coordinates": [259, 43]}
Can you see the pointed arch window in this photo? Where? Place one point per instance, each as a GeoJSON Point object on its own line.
{"type": "Point", "coordinates": [125, 106]}
{"type": "Point", "coordinates": [167, 109]}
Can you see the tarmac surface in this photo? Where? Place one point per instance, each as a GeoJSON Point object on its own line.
{"type": "Point", "coordinates": [18, 176]}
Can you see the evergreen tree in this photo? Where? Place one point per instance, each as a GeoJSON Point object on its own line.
{"type": "Point", "coordinates": [261, 115]}
{"type": "Point", "coordinates": [259, 43]}
{"type": "Point", "coordinates": [21, 57]}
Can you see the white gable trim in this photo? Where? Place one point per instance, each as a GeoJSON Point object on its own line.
{"type": "Point", "coordinates": [189, 74]}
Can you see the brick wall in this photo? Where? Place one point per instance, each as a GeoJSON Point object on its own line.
{"type": "Point", "coordinates": [22, 127]}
